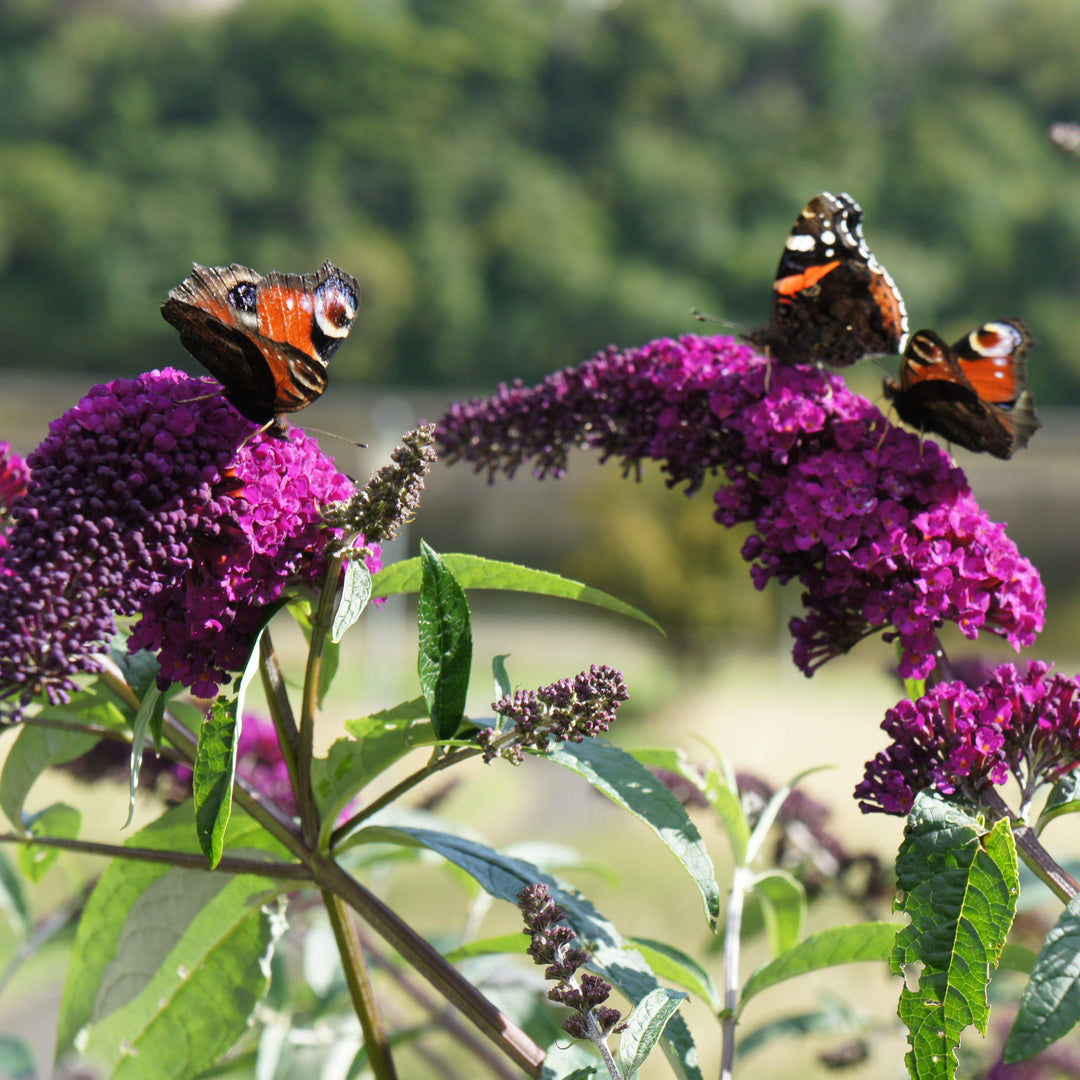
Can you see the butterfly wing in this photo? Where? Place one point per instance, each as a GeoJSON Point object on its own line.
{"type": "Point", "coordinates": [266, 339]}
{"type": "Point", "coordinates": [994, 359]}
{"type": "Point", "coordinates": [211, 330]}
{"type": "Point", "coordinates": [302, 320]}
{"type": "Point", "coordinates": [934, 393]}
{"type": "Point", "coordinates": [832, 300]}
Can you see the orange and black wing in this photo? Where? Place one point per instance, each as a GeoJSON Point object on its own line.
{"type": "Point", "coordinates": [936, 391]}
{"type": "Point", "coordinates": [832, 301]}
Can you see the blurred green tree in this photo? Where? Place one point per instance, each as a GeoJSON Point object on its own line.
{"type": "Point", "coordinates": [517, 184]}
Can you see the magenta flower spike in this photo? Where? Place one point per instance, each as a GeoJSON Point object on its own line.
{"type": "Point", "coordinates": [149, 498]}
{"type": "Point", "coordinates": [882, 531]}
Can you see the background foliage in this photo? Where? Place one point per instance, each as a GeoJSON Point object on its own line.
{"type": "Point", "coordinates": [516, 184]}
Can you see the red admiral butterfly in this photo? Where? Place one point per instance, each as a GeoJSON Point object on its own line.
{"type": "Point", "coordinates": [832, 300]}
{"type": "Point", "coordinates": [975, 393]}
{"type": "Point", "coordinates": [267, 340]}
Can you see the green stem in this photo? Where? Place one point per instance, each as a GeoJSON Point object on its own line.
{"type": "Point", "coordinates": [427, 962]}
{"type": "Point", "coordinates": [1038, 859]}
{"type": "Point", "coordinates": [320, 626]}
{"type": "Point", "coordinates": [499, 1028]}
{"type": "Point", "coordinates": [440, 1016]}
{"type": "Point", "coordinates": [399, 789]}
{"type": "Point", "coordinates": [277, 700]}
{"type": "Point", "coordinates": [361, 991]}
{"type": "Point", "coordinates": [185, 859]}
{"type": "Point", "coordinates": [740, 883]}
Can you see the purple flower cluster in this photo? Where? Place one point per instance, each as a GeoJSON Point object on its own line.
{"type": "Point", "coordinates": [881, 530]}
{"type": "Point", "coordinates": [961, 740]}
{"type": "Point", "coordinates": [270, 538]}
{"type": "Point", "coordinates": [140, 502]}
{"type": "Point", "coordinates": [552, 945]}
{"type": "Point", "coordinates": [570, 709]}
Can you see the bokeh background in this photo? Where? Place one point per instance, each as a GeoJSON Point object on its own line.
{"type": "Point", "coordinates": [517, 184]}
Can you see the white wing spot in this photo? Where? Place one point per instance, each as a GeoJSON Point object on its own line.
{"type": "Point", "coordinates": [800, 242]}
{"type": "Point", "coordinates": [828, 237]}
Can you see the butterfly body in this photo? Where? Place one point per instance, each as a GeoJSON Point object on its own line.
{"type": "Point", "coordinates": [267, 340]}
{"type": "Point", "coordinates": [974, 393]}
{"type": "Point", "coordinates": [832, 301]}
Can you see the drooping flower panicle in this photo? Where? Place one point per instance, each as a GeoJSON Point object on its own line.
{"type": "Point", "coordinates": [151, 497]}
{"type": "Point", "coordinates": [881, 530]}
{"type": "Point", "coordinates": [960, 740]}
{"type": "Point", "coordinates": [552, 946]}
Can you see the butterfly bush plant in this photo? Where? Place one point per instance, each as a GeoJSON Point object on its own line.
{"type": "Point", "coordinates": [885, 538]}
{"type": "Point", "coordinates": [155, 534]}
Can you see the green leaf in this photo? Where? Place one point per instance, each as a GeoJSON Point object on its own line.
{"type": "Point", "coordinates": [215, 767]}
{"type": "Point", "coordinates": [350, 764]}
{"type": "Point", "coordinates": [715, 785]}
{"type": "Point", "coordinates": [1064, 798]}
{"type": "Point", "coordinates": [413, 709]}
{"type": "Point", "coordinates": [445, 644]}
{"type": "Point", "coordinates": [675, 966]}
{"type": "Point", "coordinates": [355, 594]}
{"type": "Point", "coordinates": [59, 820]}
{"type": "Point", "coordinates": [564, 1060]}
{"type": "Point", "coordinates": [645, 1026]}
{"type": "Point", "coordinates": [151, 714]}
{"type": "Point", "coordinates": [96, 704]}
{"type": "Point", "coordinates": [215, 760]}
{"type": "Point", "coordinates": [13, 899]}
{"type": "Point", "coordinates": [784, 906]}
{"type": "Point", "coordinates": [838, 945]}
{"type": "Point", "coordinates": [474, 572]}
{"type": "Point", "coordinates": [33, 751]}
{"type": "Point", "coordinates": [16, 1061]}
{"type": "Point", "coordinates": [206, 952]}
{"type": "Point", "coordinates": [627, 782]}
{"type": "Point", "coordinates": [611, 956]}
{"type": "Point", "coordinates": [724, 799]}
{"type": "Point", "coordinates": [503, 686]}
{"type": "Point", "coordinates": [959, 887]}
{"type": "Point", "coordinates": [140, 669]}
{"type": "Point", "coordinates": [98, 957]}
{"type": "Point", "coordinates": [1050, 1005]}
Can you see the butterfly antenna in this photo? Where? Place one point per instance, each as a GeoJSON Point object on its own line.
{"type": "Point", "coordinates": [335, 435]}
{"type": "Point", "coordinates": [202, 397]}
{"type": "Point", "coordinates": [702, 316]}
{"type": "Point", "coordinates": [879, 360]}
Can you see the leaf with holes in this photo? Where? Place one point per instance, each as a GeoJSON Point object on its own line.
{"type": "Point", "coordinates": [959, 887]}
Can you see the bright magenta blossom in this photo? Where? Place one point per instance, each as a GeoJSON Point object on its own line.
{"type": "Point", "coordinates": [881, 530]}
